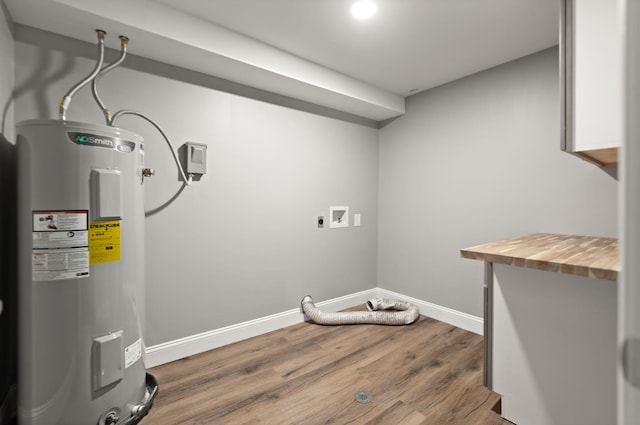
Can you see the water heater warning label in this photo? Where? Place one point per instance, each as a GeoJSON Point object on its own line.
{"type": "Point", "coordinates": [132, 353]}
{"type": "Point", "coordinates": [60, 247]}
{"type": "Point", "coordinates": [104, 241]}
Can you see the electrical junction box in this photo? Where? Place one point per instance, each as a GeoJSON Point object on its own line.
{"type": "Point", "coordinates": [196, 158]}
{"type": "Point", "coordinates": [108, 360]}
{"type": "Point", "coordinates": [106, 195]}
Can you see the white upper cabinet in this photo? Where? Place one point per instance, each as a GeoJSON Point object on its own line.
{"type": "Point", "coordinates": [591, 68]}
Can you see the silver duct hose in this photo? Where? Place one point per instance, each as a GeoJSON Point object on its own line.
{"type": "Point", "coordinates": [405, 314]}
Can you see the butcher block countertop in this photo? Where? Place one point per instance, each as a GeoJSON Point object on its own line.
{"type": "Point", "coordinates": [579, 255]}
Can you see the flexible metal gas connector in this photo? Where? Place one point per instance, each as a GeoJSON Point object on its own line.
{"type": "Point", "coordinates": [66, 100]}
{"type": "Point", "coordinates": [124, 42]}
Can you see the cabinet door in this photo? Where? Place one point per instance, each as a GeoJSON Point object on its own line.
{"type": "Point", "coordinates": [591, 77]}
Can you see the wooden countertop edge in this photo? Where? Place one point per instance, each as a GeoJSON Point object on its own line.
{"type": "Point", "coordinates": [574, 269]}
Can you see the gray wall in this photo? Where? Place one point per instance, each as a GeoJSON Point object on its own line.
{"type": "Point", "coordinates": [6, 75]}
{"type": "Point", "coordinates": [475, 161]}
{"type": "Point", "coordinates": [471, 162]}
{"type": "Point", "coordinates": [243, 242]}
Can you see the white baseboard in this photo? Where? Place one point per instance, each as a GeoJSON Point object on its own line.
{"type": "Point", "coordinates": [456, 318]}
{"type": "Point", "coordinates": [177, 349]}
{"type": "Point", "coordinates": [194, 344]}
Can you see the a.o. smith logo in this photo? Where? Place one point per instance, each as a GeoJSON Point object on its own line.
{"type": "Point", "coordinates": [90, 139]}
{"type": "Point", "coordinates": [101, 141]}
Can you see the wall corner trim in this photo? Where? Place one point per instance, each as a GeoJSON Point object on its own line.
{"type": "Point", "coordinates": [191, 345]}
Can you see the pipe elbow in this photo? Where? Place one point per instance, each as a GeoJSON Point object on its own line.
{"type": "Point", "coordinates": [378, 303]}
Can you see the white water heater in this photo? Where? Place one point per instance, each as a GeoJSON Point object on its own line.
{"type": "Point", "coordinates": [81, 275]}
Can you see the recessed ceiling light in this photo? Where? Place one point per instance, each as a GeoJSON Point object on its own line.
{"type": "Point", "coordinates": [363, 9]}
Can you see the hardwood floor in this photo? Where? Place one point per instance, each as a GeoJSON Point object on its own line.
{"type": "Point", "coordinates": [425, 373]}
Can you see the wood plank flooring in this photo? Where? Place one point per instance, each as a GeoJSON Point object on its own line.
{"type": "Point", "coordinates": [427, 373]}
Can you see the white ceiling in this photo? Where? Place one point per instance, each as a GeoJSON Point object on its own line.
{"type": "Point", "coordinates": [407, 45]}
{"type": "Point", "coordinates": [313, 50]}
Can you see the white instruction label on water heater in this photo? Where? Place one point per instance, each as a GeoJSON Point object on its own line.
{"type": "Point", "coordinates": [132, 353]}
{"type": "Point", "coordinates": [60, 247]}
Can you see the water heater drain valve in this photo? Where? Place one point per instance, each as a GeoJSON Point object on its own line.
{"type": "Point", "coordinates": [148, 172]}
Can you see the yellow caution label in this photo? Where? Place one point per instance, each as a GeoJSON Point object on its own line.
{"type": "Point", "coordinates": [104, 241]}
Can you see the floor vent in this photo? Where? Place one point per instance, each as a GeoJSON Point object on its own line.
{"type": "Point", "coordinates": [363, 397]}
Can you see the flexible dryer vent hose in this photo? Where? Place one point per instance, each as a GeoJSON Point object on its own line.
{"type": "Point", "coordinates": [406, 313]}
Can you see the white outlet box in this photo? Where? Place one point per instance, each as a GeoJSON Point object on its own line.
{"type": "Point", "coordinates": [339, 217]}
